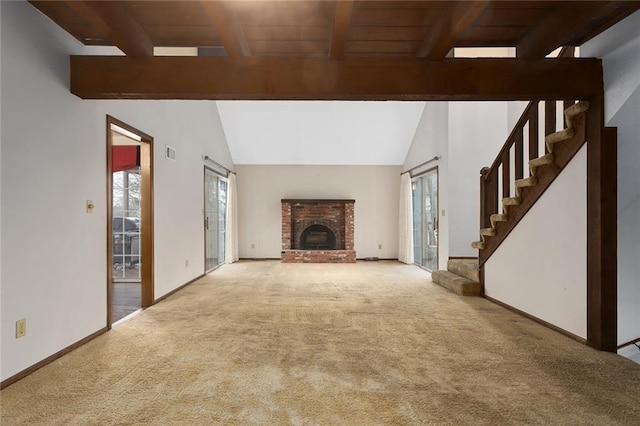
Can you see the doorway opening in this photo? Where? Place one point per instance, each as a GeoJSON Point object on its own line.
{"type": "Point", "coordinates": [129, 220]}
{"type": "Point", "coordinates": [424, 190]}
{"type": "Point", "coordinates": [215, 224]}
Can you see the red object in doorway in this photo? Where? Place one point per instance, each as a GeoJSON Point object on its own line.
{"type": "Point", "coordinates": [125, 157]}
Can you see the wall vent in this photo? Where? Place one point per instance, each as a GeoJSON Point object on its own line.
{"type": "Point", "coordinates": [170, 153]}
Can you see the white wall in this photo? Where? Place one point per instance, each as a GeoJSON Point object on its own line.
{"type": "Point", "coordinates": [376, 190]}
{"type": "Point", "coordinates": [1, 331]}
{"type": "Point", "coordinates": [319, 132]}
{"type": "Point", "coordinates": [619, 48]}
{"type": "Point", "coordinates": [541, 268]}
{"type": "Point", "coordinates": [514, 112]}
{"type": "Point", "coordinates": [53, 160]}
{"type": "Point", "coordinates": [431, 139]}
{"type": "Point", "coordinates": [477, 131]}
{"type": "Point", "coordinates": [627, 120]}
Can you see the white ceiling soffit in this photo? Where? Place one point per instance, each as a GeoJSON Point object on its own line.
{"type": "Point", "coordinates": [319, 132]}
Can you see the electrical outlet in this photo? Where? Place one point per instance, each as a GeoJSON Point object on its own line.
{"type": "Point", "coordinates": [253, 245]}
{"type": "Point", "coordinates": [186, 263]}
{"type": "Point", "coordinates": [21, 328]}
{"type": "Point", "coordinates": [379, 246]}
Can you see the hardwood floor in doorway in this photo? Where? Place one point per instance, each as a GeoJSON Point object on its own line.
{"type": "Point", "coordinates": [126, 299]}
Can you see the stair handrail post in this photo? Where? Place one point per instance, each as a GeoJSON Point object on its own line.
{"type": "Point", "coordinates": [533, 120]}
{"type": "Point", "coordinates": [483, 176]}
{"type": "Point", "coordinates": [488, 196]}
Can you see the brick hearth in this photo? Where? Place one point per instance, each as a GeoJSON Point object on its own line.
{"type": "Point", "coordinates": [334, 215]}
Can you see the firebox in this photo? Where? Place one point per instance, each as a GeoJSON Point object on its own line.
{"type": "Point", "coordinates": [318, 231]}
{"type": "Point", "coordinates": [317, 237]}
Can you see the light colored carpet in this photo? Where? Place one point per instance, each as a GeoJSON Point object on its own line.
{"type": "Point", "coordinates": [365, 343]}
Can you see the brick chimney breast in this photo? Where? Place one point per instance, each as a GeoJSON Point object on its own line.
{"type": "Point", "coordinates": [327, 225]}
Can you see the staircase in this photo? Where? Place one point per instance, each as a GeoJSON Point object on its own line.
{"type": "Point", "coordinates": [508, 171]}
{"type": "Point", "coordinates": [461, 277]}
{"type": "Point", "coordinates": [506, 192]}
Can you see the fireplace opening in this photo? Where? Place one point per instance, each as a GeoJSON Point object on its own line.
{"type": "Point", "coordinates": [317, 237]}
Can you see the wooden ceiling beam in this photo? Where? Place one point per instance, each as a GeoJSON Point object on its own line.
{"type": "Point", "coordinates": [341, 20]}
{"type": "Point", "coordinates": [558, 28]}
{"type": "Point", "coordinates": [231, 34]}
{"type": "Point", "coordinates": [119, 27]}
{"type": "Point", "coordinates": [455, 19]}
{"type": "Point", "coordinates": [358, 78]}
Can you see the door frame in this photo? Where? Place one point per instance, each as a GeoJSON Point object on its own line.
{"type": "Point", "coordinates": [146, 208]}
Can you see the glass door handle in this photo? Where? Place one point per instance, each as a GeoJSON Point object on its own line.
{"type": "Point", "coordinates": [206, 223]}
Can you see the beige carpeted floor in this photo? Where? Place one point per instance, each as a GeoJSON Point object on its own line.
{"type": "Point", "coordinates": [370, 343]}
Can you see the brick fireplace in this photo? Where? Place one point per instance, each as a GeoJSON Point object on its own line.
{"type": "Point", "coordinates": [317, 231]}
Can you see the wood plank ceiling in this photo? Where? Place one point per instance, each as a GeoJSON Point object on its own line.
{"type": "Point", "coordinates": [325, 31]}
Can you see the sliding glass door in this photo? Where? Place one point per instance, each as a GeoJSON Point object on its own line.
{"type": "Point", "coordinates": [215, 209]}
{"type": "Point", "coordinates": [425, 219]}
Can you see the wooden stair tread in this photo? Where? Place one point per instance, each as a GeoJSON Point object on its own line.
{"type": "Point", "coordinates": [568, 132]}
{"type": "Point", "coordinates": [466, 268]}
{"type": "Point", "coordinates": [520, 184]}
{"type": "Point", "coordinates": [556, 137]}
{"type": "Point", "coordinates": [575, 109]}
{"type": "Point", "coordinates": [487, 232]}
{"type": "Point", "coordinates": [498, 218]}
{"type": "Point", "coordinates": [456, 283]}
{"type": "Point", "coordinates": [478, 245]}
{"type": "Point", "coordinates": [530, 181]}
{"type": "Point", "coordinates": [540, 161]}
{"type": "Point", "coordinates": [512, 201]}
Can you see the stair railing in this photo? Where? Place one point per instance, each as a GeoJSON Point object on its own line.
{"type": "Point", "coordinates": [497, 181]}
{"type": "Point", "coordinates": [525, 143]}
{"type": "Point", "coordinates": [491, 193]}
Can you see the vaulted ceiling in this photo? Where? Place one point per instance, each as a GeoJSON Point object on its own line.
{"type": "Point", "coordinates": [333, 50]}
{"type": "Point", "coordinates": [319, 132]}
{"type": "Point", "coordinates": [265, 28]}
{"type": "Point", "coordinates": [348, 49]}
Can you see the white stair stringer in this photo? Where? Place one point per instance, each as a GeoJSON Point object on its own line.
{"type": "Point", "coordinates": [548, 158]}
